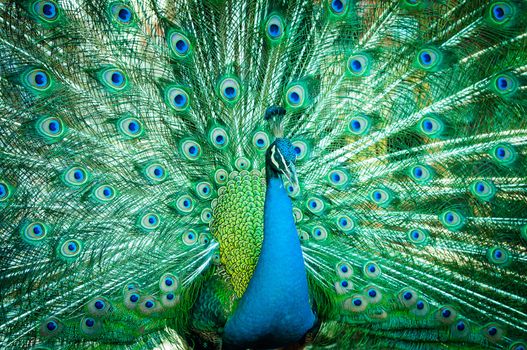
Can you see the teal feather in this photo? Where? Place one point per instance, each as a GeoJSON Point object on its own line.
{"type": "Point", "coordinates": [133, 162]}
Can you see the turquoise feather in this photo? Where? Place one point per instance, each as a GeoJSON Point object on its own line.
{"type": "Point", "coordinates": [135, 144]}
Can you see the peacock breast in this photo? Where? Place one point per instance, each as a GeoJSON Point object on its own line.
{"type": "Point", "coordinates": [238, 225]}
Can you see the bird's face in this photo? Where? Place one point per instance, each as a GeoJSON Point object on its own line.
{"type": "Point", "coordinates": [282, 157]}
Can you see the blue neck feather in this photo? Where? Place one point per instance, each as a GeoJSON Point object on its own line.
{"type": "Point", "coordinates": [274, 310]}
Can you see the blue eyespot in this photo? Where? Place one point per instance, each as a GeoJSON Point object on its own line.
{"type": "Point", "coordinates": [372, 293]}
{"type": "Point", "coordinates": [294, 97]}
{"type": "Point", "coordinates": [133, 127]}
{"type": "Point", "coordinates": [502, 83]}
{"type": "Point", "coordinates": [3, 191]}
{"type": "Point", "coordinates": [180, 100]}
{"type": "Point", "coordinates": [155, 172]}
{"type": "Point", "coordinates": [170, 296]}
{"type": "Point", "coordinates": [501, 12]}
{"type": "Point", "coordinates": [169, 281]}
{"type": "Point", "coordinates": [338, 6]}
{"type": "Point", "coordinates": [407, 295]}
{"type": "Point", "coordinates": [275, 28]}
{"type": "Point", "coordinates": [359, 64]}
{"type": "Point", "coordinates": [356, 65]}
{"type": "Point", "coordinates": [492, 331]}
{"type": "Point", "coordinates": [189, 237]}
{"type": "Point", "coordinates": [149, 221]}
{"type": "Point", "coordinates": [122, 14]}
{"type": "Point", "coordinates": [420, 305]}
{"type": "Point", "coordinates": [51, 325]}
{"type": "Point", "coordinates": [99, 304]}
{"type": "Point", "coordinates": [90, 322]}
{"type": "Point", "coordinates": [47, 10]}
{"type": "Point", "coordinates": [357, 302]}
{"type": "Point", "coordinates": [134, 298]}
{"type": "Point", "coordinates": [446, 313]}
{"type": "Point", "coordinates": [178, 44]}
{"type": "Point", "coordinates": [149, 304]}
{"type": "Point", "coordinates": [425, 57]}
{"type": "Point", "coordinates": [41, 79]}
{"type": "Point", "coordinates": [113, 79]}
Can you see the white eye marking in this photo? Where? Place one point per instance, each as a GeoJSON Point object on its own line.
{"type": "Point", "coordinates": [273, 151]}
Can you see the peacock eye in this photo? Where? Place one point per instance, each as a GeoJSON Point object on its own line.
{"type": "Point", "coordinates": [155, 172]}
{"type": "Point", "coordinates": [371, 270]}
{"type": "Point", "coordinates": [5, 191]}
{"type": "Point", "coordinates": [204, 190]}
{"type": "Point", "coordinates": [104, 193]}
{"type": "Point", "coordinates": [90, 326]}
{"type": "Point", "coordinates": [191, 149]}
{"type": "Point", "coordinates": [47, 11]}
{"type": "Point", "coordinates": [168, 283]}
{"type": "Point", "coordinates": [315, 205]}
{"type": "Point", "coordinates": [38, 79]}
{"type": "Point", "coordinates": [483, 189]}
{"type": "Point", "coordinates": [220, 176]}
{"type": "Point", "coordinates": [420, 173]}
{"type": "Point", "coordinates": [356, 303]}
{"type": "Point", "coordinates": [114, 79]}
{"type": "Point", "coordinates": [51, 327]}
{"type": "Point", "coordinates": [372, 294]}
{"type": "Point", "coordinates": [261, 140]}
{"type": "Point", "coordinates": [343, 286]}
{"type": "Point", "coordinates": [179, 44]}
{"type": "Point", "coordinates": [360, 125]}
{"type": "Point", "coordinates": [505, 84]}
{"type": "Point", "coordinates": [122, 14]}
{"type": "Point", "coordinates": [185, 204]}
{"type": "Point", "coordinates": [319, 233]}
{"type": "Point", "coordinates": [420, 308]}
{"type": "Point", "coordinates": [75, 176]}
{"type": "Point", "coordinates": [148, 305]}
{"type": "Point", "coordinates": [218, 137]}
{"type": "Point", "coordinates": [498, 256]}
{"type": "Point", "coordinates": [149, 221]}
{"type": "Point", "coordinates": [504, 153]}
{"type": "Point", "coordinates": [129, 127]}
{"type": "Point", "coordinates": [301, 149]}
{"type": "Point", "coordinates": [431, 126]}
{"type": "Point", "coordinates": [344, 270]}
{"type": "Point", "coordinates": [189, 237]}
{"type": "Point", "coordinates": [230, 89]}
{"type": "Point", "coordinates": [34, 232]}
{"type": "Point", "coordinates": [429, 58]}
{"type": "Point", "coordinates": [345, 223]}
{"type": "Point", "coordinates": [501, 12]}
{"type": "Point", "coordinates": [295, 95]}
{"type": "Point", "coordinates": [243, 163]}
{"type": "Point", "coordinates": [381, 197]}
{"type": "Point", "coordinates": [418, 236]}
{"type": "Point", "coordinates": [275, 28]}
{"type": "Point", "coordinates": [408, 297]}
{"type": "Point", "coordinates": [206, 215]}
{"type": "Point", "coordinates": [177, 98]}
{"type": "Point", "coordinates": [338, 7]}
{"type": "Point", "coordinates": [51, 128]}
{"type": "Point", "coordinates": [359, 65]}
{"type": "Point", "coordinates": [452, 220]}
{"type": "Point", "coordinates": [446, 315]}
{"type": "Point", "coordinates": [70, 249]}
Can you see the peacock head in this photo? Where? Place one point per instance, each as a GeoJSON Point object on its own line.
{"type": "Point", "coordinates": [280, 157]}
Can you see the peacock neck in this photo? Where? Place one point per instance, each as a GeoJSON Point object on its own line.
{"type": "Point", "coordinates": [274, 310]}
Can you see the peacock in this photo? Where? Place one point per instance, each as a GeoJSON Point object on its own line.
{"type": "Point", "coordinates": [257, 174]}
